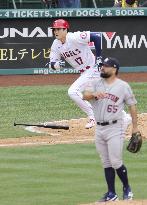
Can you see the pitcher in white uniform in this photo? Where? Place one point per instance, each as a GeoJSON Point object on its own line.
{"type": "Point", "coordinates": [74, 48]}
{"type": "Point", "coordinates": [108, 97]}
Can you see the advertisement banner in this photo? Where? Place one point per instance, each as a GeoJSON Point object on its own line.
{"type": "Point", "coordinates": [63, 13]}
{"type": "Point", "coordinates": [26, 43]}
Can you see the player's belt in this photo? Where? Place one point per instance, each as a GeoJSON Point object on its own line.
{"type": "Point", "coordinates": [106, 123]}
{"type": "Point", "coordinates": [82, 70]}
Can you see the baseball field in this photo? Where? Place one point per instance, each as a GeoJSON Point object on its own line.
{"type": "Point", "coordinates": [50, 167]}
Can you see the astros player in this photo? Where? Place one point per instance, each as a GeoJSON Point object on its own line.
{"type": "Point", "coordinates": [108, 96]}
{"type": "Point", "coordinates": [74, 48]}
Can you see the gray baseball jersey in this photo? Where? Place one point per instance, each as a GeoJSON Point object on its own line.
{"type": "Point", "coordinates": [118, 94]}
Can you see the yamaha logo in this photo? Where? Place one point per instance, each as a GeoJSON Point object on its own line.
{"type": "Point", "coordinates": [126, 41]}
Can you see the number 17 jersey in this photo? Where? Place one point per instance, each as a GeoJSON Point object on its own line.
{"type": "Point", "coordinates": [75, 50]}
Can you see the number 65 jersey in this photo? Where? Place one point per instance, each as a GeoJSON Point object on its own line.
{"type": "Point", "coordinates": [75, 50]}
{"type": "Point", "coordinates": [117, 95]}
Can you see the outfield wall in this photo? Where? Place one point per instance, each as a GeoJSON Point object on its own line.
{"type": "Point", "coordinates": [26, 37]}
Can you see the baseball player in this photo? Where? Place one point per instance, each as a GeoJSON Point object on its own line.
{"type": "Point", "coordinates": [108, 96]}
{"type": "Point", "coordinates": [74, 48]}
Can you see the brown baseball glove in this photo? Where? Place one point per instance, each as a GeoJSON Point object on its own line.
{"type": "Point", "coordinates": [135, 142]}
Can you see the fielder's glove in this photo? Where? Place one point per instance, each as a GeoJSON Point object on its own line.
{"type": "Point", "coordinates": [56, 65]}
{"type": "Point", "coordinates": [99, 63]}
{"type": "Point", "coordinates": [135, 142]}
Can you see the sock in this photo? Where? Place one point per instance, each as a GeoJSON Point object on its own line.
{"type": "Point", "coordinates": [110, 178]}
{"type": "Point", "coordinates": [122, 173]}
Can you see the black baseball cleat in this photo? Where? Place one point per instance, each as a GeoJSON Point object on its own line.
{"type": "Point", "coordinates": [109, 196]}
{"type": "Point", "coordinates": [127, 193]}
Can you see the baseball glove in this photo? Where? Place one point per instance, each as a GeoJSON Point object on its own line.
{"type": "Point", "coordinates": [135, 142]}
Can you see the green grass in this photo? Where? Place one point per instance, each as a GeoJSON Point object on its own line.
{"type": "Point", "coordinates": [62, 174]}
{"type": "Point", "coordinates": [140, 91]}
{"type": "Point", "coordinates": [37, 104]}
{"type": "Point", "coordinates": [34, 105]}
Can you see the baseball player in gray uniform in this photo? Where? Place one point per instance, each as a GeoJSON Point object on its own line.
{"type": "Point", "coordinates": [108, 97]}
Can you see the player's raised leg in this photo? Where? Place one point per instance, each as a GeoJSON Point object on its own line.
{"type": "Point", "coordinates": [75, 93]}
{"type": "Point", "coordinates": [85, 106]}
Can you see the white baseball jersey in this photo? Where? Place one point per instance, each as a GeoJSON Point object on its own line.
{"type": "Point", "coordinates": [75, 50]}
{"type": "Point", "coordinates": [118, 94]}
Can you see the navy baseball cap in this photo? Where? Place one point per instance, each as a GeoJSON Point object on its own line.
{"type": "Point", "coordinates": [112, 62]}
